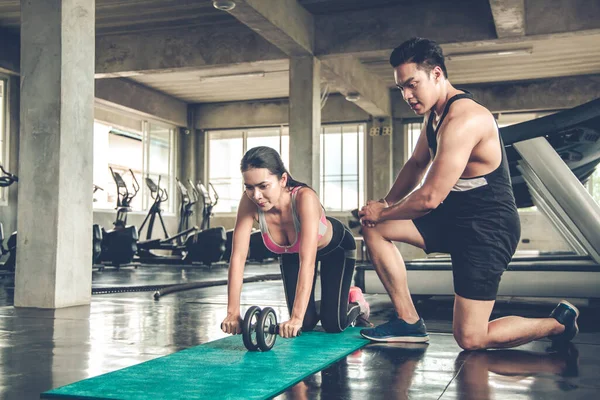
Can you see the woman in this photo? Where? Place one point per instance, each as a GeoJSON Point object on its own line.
{"type": "Point", "coordinates": [293, 224]}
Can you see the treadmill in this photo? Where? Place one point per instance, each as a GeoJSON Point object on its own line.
{"type": "Point", "coordinates": [550, 159]}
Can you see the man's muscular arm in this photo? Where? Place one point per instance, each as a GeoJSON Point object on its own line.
{"type": "Point", "coordinates": [457, 139]}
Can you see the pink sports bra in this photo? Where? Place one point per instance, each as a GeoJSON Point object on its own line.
{"type": "Point", "coordinates": [294, 247]}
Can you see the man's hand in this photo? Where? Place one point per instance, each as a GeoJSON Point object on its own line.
{"type": "Point", "coordinates": [289, 329]}
{"type": "Point", "coordinates": [370, 214]}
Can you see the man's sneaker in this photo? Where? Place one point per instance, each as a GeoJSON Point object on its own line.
{"type": "Point", "coordinates": [567, 314]}
{"type": "Point", "coordinates": [356, 296]}
{"type": "Point", "coordinates": [397, 330]}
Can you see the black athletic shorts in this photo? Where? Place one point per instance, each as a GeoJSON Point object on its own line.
{"type": "Point", "coordinates": [480, 240]}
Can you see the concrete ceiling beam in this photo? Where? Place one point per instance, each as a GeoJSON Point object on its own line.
{"type": "Point", "coordinates": [284, 23]}
{"type": "Point", "coordinates": [509, 17]}
{"type": "Point", "coordinates": [384, 28]}
{"type": "Point", "coordinates": [290, 27]}
{"type": "Point", "coordinates": [350, 76]}
{"type": "Point", "coordinates": [178, 50]}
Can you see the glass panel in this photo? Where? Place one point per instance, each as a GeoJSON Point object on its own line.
{"type": "Point", "coordinates": [122, 150]}
{"type": "Point", "coordinates": [322, 168]}
{"type": "Point", "coordinates": [3, 133]}
{"type": "Point", "coordinates": [275, 138]}
{"type": "Point", "coordinates": [349, 168]}
{"type": "Point", "coordinates": [2, 120]}
{"type": "Point", "coordinates": [159, 161]}
{"type": "Point", "coordinates": [342, 167]}
{"type": "Point", "coordinates": [226, 149]}
{"type": "Point", "coordinates": [264, 137]}
{"type": "Point", "coordinates": [361, 165]}
{"type": "Point", "coordinates": [332, 168]}
{"type": "Point", "coordinates": [333, 201]}
{"type": "Point", "coordinates": [285, 146]}
{"type": "Point", "coordinates": [414, 130]}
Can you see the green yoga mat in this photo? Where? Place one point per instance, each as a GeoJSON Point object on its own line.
{"type": "Point", "coordinates": [222, 369]}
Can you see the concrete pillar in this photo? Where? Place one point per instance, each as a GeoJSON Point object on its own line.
{"type": "Point", "coordinates": [379, 158]}
{"type": "Point", "coordinates": [54, 259]}
{"type": "Point", "coordinates": [187, 163]}
{"type": "Point", "coordinates": [305, 120]}
{"type": "Point", "coordinates": [187, 152]}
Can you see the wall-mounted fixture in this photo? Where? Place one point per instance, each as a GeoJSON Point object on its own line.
{"type": "Point", "coordinates": [224, 5]}
{"type": "Point", "coordinates": [353, 97]}
{"type": "Point", "coordinates": [220, 78]}
{"type": "Point", "coordinates": [489, 54]}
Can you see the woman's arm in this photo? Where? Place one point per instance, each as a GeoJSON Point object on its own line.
{"type": "Point", "coordinates": [309, 213]}
{"type": "Point", "coordinates": [239, 252]}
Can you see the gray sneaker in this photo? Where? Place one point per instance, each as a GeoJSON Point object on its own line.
{"type": "Point", "coordinates": [397, 330]}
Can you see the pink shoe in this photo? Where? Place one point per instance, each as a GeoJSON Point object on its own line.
{"type": "Point", "coordinates": [356, 296]}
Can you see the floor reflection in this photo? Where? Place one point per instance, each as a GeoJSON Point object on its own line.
{"type": "Point", "coordinates": [514, 373]}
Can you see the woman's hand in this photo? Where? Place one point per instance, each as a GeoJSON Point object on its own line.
{"type": "Point", "coordinates": [232, 324]}
{"type": "Point", "coordinates": [289, 329]}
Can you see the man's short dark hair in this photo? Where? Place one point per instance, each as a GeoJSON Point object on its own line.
{"type": "Point", "coordinates": [426, 53]}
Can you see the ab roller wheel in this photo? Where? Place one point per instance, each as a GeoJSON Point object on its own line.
{"type": "Point", "coordinates": [260, 329]}
{"type": "Point", "coordinates": [248, 328]}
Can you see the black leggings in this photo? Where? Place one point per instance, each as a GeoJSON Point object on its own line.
{"type": "Point", "coordinates": [337, 268]}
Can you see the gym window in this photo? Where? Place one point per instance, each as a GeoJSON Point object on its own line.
{"type": "Point", "coordinates": [413, 131]}
{"type": "Point", "coordinates": [4, 132]}
{"type": "Point", "coordinates": [342, 166]}
{"type": "Point", "coordinates": [144, 147]}
{"type": "Point", "coordinates": [226, 149]}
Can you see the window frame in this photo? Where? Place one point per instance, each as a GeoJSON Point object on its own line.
{"type": "Point", "coordinates": [244, 136]}
{"type": "Point", "coordinates": [5, 132]}
{"type": "Point", "coordinates": [361, 175]}
{"type": "Point", "coordinates": [170, 209]}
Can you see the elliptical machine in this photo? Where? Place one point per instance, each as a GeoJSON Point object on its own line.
{"type": "Point", "coordinates": [186, 208]}
{"type": "Point", "coordinates": [208, 245]}
{"type": "Point", "coordinates": [96, 235]}
{"type": "Point", "coordinates": [7, 179]}
{"type": "Point", "coordinates": [119, 245]}
{"type": "Point", "coordinates": [169, 243]}
{"type": "Point", "coordinates": [209, 201]}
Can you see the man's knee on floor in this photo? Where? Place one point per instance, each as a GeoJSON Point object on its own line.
{"type": "Point", "coordinates": [470, 340]}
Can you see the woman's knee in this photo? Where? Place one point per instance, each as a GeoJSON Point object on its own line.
{"type": "Point", "coordinates": [331, 326]}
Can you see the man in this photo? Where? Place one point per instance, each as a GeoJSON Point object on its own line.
{"type": "Point", "coordinates": [465, 207]}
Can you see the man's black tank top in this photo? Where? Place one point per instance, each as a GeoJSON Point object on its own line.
{"type": "Point", "coordinates": [490, 194]}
